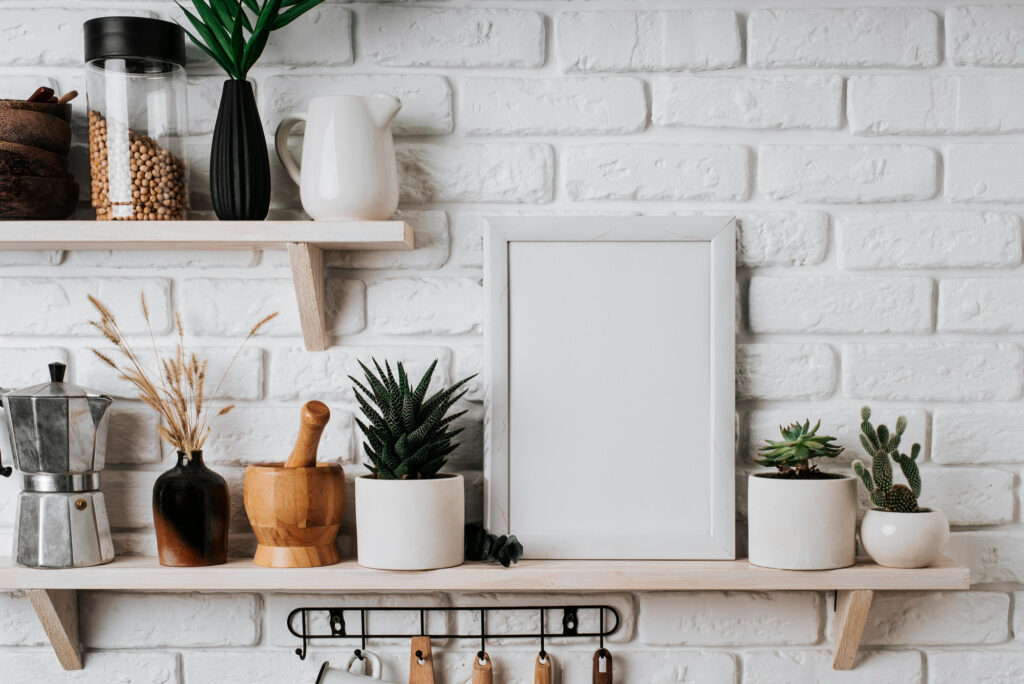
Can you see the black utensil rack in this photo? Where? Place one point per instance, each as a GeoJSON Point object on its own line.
{"type": "Point", "coordinates": [339, 629]}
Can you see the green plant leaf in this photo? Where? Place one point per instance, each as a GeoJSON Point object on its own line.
{"type": "Point", "coordinates": [216, 58]}
{"type": "Point", "coordinates": [238, 46]}
{"type": "Point", "coordinates": [297, 10]}
{"type": "Point", "coordinates": [209, 43]}
{"type": "Point", "coordinates": [212, 24]}
{"type": "Point", "coordinates": [261, 33]}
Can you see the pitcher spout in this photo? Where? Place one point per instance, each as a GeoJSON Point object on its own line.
{"type": "Point", "coordinates": [384, 108]}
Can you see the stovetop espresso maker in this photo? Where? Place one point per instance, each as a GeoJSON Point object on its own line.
{"type": "Point", "coordinates": [58, 432]}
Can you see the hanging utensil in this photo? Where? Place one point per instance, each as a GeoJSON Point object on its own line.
{"type": "Point", "coordinates": [542, 669]}
{"type": "Point", "coordinates": [421, 662]}
{"type": "Point", "coordinates": [482, 669]}
{"type": "Point", "coordinates": [602, 666]}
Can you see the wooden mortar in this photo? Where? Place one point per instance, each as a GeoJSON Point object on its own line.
{"type": "Point", "coordinates": [295, 507]}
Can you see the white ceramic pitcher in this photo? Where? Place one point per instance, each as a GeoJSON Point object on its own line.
{"type": "Point", "coordinates": [348, 157]}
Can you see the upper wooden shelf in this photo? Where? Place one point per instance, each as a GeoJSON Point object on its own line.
{"type": "Point", "coordinates": [157, 235]}
{"type": "Point", "coordinates": [145, 574]}
{"type": "Point", "coordinates": [304, 240]}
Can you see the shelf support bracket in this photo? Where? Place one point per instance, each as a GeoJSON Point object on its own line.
{"type": "Point", "coordinates": [307, 263]}
{"type": "Point", "coordinates": [851, 616]}
{"type": "Point", "coordinates": [58, 612]}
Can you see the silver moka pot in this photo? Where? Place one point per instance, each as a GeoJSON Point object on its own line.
{"type": "Point", "coordinates": [58, 432]}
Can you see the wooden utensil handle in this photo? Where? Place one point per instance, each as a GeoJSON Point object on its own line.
{"type": "Point", "coordinates": [421, 661]}
{"type": "Point", "coordinates": [542, 670]}
{"type": "Point", "coordinates": [482, 669]}
{"type": "Point", "coordinates": [315, 415]}
{"type": "Point", "coordinates": [605, 676]}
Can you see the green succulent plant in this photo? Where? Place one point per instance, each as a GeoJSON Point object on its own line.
{"type": "Point", "coordinates": [234, 39]}
{"type": "Point", "coordinates": [800, 444]}
{"type": "Point", "coordinates": [881, 445]}
{"type": "Point", "coordinates": [408, 435]}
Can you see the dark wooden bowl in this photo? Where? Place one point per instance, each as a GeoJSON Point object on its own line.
{"type": "Point", "coordinates": [34, 198]}
{"type": "Point", "coordinates": [22, 160]}
{"type": "Point", "coordinates": [61, 111]}
{"type": "Point", "coordinates": [35, 128]}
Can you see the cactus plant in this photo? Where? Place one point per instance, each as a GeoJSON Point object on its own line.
{"type": "Point", "coordinates": [881, 445]}
{"type": "Point", "coordinates": [800, 443]}
{"type": "Point", "coordinates": [407, 434]}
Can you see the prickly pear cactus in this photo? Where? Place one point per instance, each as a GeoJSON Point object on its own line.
{"type": "Point", "coordinates": [881, 445]}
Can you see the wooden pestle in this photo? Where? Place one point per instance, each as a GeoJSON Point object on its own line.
{"type": "Point", "coordinates": [315, 415]}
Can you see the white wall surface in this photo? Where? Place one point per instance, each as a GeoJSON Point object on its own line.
{"type": "Point", "coordinates": [874, 154]}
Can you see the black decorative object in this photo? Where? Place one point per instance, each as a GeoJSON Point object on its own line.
{"type": "Point", "coordinates": [239, 165]}
{"type": "Point", "coordinates": [482, 546]}
{"type": "Point", "coordinates": [190, 513]}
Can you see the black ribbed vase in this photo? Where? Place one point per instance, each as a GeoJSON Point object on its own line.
{"type": "Point", "coordinates": [239, 166]}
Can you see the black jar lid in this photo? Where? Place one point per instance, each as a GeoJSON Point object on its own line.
{"type": "Point", "coordinates": [139, 37]}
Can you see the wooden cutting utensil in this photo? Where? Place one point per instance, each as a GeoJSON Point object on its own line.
{"type": "Point", "coordinates": [482, 669]}
{"type": "Point", "coordinates": [421, 662]}
{"type": "Point", "coordinates": [542, 669]}
{"type": "Point", "coordinates": [602, 666]}
{"type": "Point", "coordinates": [315, 415]}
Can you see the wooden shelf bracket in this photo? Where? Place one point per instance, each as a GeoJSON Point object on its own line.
{"type": "Point", "coordinates": [307, 263]}
{"type": "Point", "coordinates": [58, 613]}
{"type": "Point", "coordinates": [852, 607]}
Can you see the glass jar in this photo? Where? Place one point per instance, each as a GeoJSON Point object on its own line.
{"type": "Point", "coordinates": [135, 89]}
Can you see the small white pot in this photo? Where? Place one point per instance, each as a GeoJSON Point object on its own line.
{"type": "Point", "coordinates": [410, 524]}
{"type": "Point", "coordinates": [904, 540]}
{"type": "Point", "coordinates": [801, 524]}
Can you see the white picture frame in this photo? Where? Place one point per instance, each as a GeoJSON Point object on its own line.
{"type": "Point", "coordinates": [607, 335]}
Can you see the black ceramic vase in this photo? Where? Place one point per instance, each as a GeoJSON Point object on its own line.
{"type": "Point", "coordinates": [190, 513]}
{"type": "Point", "coordinates": [239, 166]}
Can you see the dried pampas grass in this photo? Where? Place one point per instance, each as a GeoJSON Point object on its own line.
{"type": "Point", "coordinates": [176, 388]}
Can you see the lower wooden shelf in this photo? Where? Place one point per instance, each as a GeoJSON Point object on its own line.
{"type": "Point", "coordinates": [53, 592]}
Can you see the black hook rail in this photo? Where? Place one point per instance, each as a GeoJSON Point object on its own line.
{"type": "Point", "coordinates": [338, 629]}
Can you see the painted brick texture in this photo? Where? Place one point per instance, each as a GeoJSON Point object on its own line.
{"type": "Point", "coordinates": [871, 152]}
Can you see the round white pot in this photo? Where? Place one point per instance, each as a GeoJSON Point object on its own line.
{"type": "Point", "coordinates": [904, 540]}
{"type": "Point", "coordinates": [410, 524]}
{"type": "Point", "coordinates": [801, 524]}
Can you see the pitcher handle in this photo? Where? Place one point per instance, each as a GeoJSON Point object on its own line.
{"type": "Point", "coordinates": [281, 144]}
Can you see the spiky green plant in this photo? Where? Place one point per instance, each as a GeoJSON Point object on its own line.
{"type": "Point", "coordinates": [234, 33]}
{"type": "Point", "coordinates": [799, 444]}
{"type": "Point", "coordinates": [881, 445]}
{"type": "Point", "coordinates": [407, 434]}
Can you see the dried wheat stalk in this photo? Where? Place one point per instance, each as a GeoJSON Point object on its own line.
{"type": "Point", "coordinates": [176, 388]}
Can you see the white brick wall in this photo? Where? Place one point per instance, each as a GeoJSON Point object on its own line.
{"type": "Point", "coordinates": [872, 153]}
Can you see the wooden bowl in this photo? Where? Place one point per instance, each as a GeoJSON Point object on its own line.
{"type": "Point", "coordinates": [35, 128]}
{"type": "Point", "coordinates": [61, 111]}
{"type": "Point", "coordinates": [23, 160]}
{"type": "Point", "coordinates": [295, 513]}
{"type": "Point", "coordinates": [34, 198]}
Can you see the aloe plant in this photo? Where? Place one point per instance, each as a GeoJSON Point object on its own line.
{"type": "Point", "coordinates": [408, 435]}
{"type": "Point", "coordinates": [800, 444]}
{"type": "Point", "coordinates": [881, 445]}
{"type": "Point", "coordinates": [234, 33]}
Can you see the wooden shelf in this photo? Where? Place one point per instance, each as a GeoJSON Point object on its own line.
{"type": "Point", "coordinates": [145, 574]}
{"type": "Point", "coordinates": [304, 240]}
{"type": "Point", "coordinates": [54, 592]}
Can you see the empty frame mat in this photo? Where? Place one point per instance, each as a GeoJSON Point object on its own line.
{"type": "Point", "coordinates": [616, 412]}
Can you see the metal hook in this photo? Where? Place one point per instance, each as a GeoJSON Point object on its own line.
{"type": "Point", "coordinates": [601, 630]}
{"type": "Point", "coordinates": [362, 628]}
{"type": "Point", "coordinates": [543, 653]}
{"type": "Point", "coordinates": [483, 635]}
{"type": "Point", "coordinates": [301, 652]}
{"type": "Point", "coordinates": [423, 623]}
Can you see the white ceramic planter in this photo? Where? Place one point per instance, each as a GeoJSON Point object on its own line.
{"type": "Point", "coordinates": [801, 524]}
{"type": "Point", "coordinates": [904, 540]}
{"type": "Point", "coordinates": [410, 524]}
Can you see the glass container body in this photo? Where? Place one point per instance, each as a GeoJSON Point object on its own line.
{"type": "Point", "coordinates": [137, 129]}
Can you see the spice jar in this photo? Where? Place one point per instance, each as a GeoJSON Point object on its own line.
{"type": "Point", "coordinates": [135, 87]}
